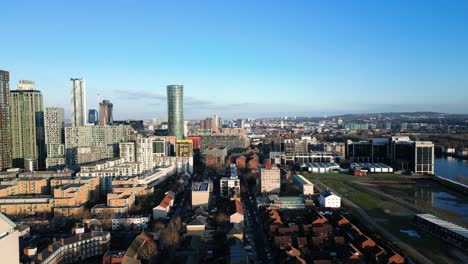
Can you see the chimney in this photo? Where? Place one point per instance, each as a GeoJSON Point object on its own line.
{"type": "Point", "coordinates": [51, 248]}
{"type": "Point", "coordinates": [79, 237]}
{"type": "Point", "coordinates": [62, 241]}
{"type": "Point", "coordinates": [39, 256]}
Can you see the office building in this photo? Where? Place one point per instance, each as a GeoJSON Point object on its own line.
{"type": "Point", "coordinates": [184, 148]}
{"type": "Point", "coordinates": [175, 110]}
{"type": "Point", "coordinates": [270, 180]}
{"type": "Point", "coordinates": [78, 102]}
{"type": "Point", "coordinates": [27, 126]}
{"type": "Point", "coordinates": [93, 116]}
{"type": "Point", "coordinates": [54, 137]}
{"type": "Point", "coordinates": [230, 186]}
{"type": "Point", "coordinates": [5, 130]}
{"type": "Point", "coordinates": [401, 153]}
{"type": "Point", "coordinates": [9, 241]}
{"type": "Point", "coordinates": [105, 113]}
{"type": "Point", "coordinates": [412, 156]}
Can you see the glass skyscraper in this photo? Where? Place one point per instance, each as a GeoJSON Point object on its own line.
{"type": "Point", "coordinates": [93, 116]}
{"type": "Point", "coordinates": [175, 110]}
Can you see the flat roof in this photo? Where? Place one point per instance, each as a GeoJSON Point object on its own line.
{"type": "Point", "coordinates": [445, 224]}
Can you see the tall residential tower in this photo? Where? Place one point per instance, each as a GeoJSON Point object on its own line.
{"type": "Point", "coordinates": [175, 110]}
{"type": "Point", "coordinates": [55, 138]}
{"type": "Point", "coordinates": [27, 125]}
{"type": "Point", "coordinates": [5, 132]}
{"type": "Point", "coordinates": [78, 102]}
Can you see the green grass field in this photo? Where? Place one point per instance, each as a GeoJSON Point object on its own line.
{"type": "Point", "coordinates": [390, 215]}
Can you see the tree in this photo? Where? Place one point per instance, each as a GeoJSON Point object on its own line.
{"type": "Point", "coordinates": [147, 251]}
{"type": "Point", "coordinates": [158, 225]}
{"type": "Point", "coordinates": [169, 236]}
{"type": "Point", "coordinates": [105, 217]}
{"type": "Point", "coordinates": [176, 222]}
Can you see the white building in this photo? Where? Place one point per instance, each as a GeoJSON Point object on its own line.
{"type": "Point", "coordinates": [164, 206]}
{"type": "Point", "coordinates": [9, 241]}
{"type": "Point", "coordinates": [201, 192]}
{"type": "Point", "coordinates": [78, 102]}
{"type": "Point", "coordinates": [304, 184]}
{"type": "Point", "coordinates": [328, 200]}
{"type": "Point", "coordinates": [230, 187]}
{"type": "Point", "coordinates": [270, 180]}
{"type": "Point", "coordinates": [144, 152]}
{"type": "Point", "coordinates": [127, 151]}
{"type": "Point", "coordinates": [132, 222]}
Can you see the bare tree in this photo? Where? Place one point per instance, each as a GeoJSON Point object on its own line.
{"type": "Point", "coordinates": [158, 225]}
{"type": "Point", "coordinates": [148, 250]}
{"type": "Point", "coordinates": [169, 236]}
{"type": "Point", "coordinates": [176, 222]}
{"type": "Point", "coordinates": [105, 217]}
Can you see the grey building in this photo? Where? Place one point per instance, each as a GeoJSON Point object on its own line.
{"type": "Point", "coordinates": [175, 110]}
{"type": "Point", "coordinates": [54, 137]}
{"type": "Point", "coordinates": [5, 130]}
{"type": "Point", "coordinates": [105, 113]}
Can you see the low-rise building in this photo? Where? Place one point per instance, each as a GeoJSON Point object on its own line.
{"type": "Point", "coordinates": [215, 157]}
{"type": "Point", "coordinates": [237, 218]}
{"type": "Point", "coordinates": [75, 249]}
{"type": "Point", "coordinates": [136, 222]}
{"type": "Point", "coordinates": [304, 184]}
{"type": "Point", "coordinates": [329, 200]}
{"type": "Point", "coordinates": [201, 192]}
{"type": "Point", "coordinates": [164, 206]}
{"type": "Point", "coordinates": [9, 241]}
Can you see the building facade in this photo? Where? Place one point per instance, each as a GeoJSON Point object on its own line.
{"type": "Point", "coordinates": [175, 110]}
{"type": "Point", "coordinates": [270, 180]}
{"type": "Point", "coordinates": [105, 113]}
{"type": "Point", "coordinates": [93, 116]}
{"type": "Point", "coordinates": [5, 130]}
{"type": "Point", "coordinates": [27, 127]}
{"type": "Point", "coordinates": [9, 241]}
{"type": "Point", "coordinates": [78, 102]}
{"type": "Point", "coordinates": [54, 123]}
{"type": "Point", "coordinates": [184, 148]}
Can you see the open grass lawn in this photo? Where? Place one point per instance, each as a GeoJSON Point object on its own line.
{"type": "Point", "coordinates": [391, 216]}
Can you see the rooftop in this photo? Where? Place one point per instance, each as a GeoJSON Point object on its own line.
{"type": "Point", "coordinates": [445, 224]}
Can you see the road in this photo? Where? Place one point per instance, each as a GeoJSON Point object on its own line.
{"type": "Point", "coordinates": [260, 251]}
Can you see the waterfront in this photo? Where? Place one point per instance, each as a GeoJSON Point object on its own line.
{"type": "Point", "coordinates": [452, 168]}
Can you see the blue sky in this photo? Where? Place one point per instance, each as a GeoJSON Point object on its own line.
{"type": "Point", "coordinates": [243, 58]}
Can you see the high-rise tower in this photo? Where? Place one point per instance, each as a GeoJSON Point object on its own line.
{"type": "Point", "coordinates": [55, 137]}
{"type": "Point", "coordinates": [78, 102]}
{"type": "Point", "coordinates": [175, 110]}
{"type": "Point", "coordinates": [105, 113]}
{"type": "Point", "coordinates": [27, 126]}
{"type": "Point", "coordinates": [5, 132]}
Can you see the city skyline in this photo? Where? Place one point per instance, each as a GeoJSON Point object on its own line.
{"type": "Point", "coordinates": [398, 57]}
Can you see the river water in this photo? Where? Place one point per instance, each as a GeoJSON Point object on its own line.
{"type": "Point", "coordinates": [451, 168]}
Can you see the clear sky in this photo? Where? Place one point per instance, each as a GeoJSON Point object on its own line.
{"type": "Point", "coordinates": [243, 58]}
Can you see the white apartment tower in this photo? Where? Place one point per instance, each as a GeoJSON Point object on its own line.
{"type": "Point", "coordinates": [78, 102]}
